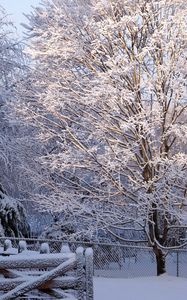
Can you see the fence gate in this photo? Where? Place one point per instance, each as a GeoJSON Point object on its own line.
{"type": "Point", "coordinates": [63, 275]}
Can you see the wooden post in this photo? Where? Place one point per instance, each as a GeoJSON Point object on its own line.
{"type": "Point", "coordinates": [7, 245]}
{"type": "Point", "coordinates": [65, 249]}
{"type": "Point", "coordinates": [89, 273]}
{"type": "Point", "coordinates": [22, 246]}
{"type": "Point", "coordinates": [80, 273]}
{"type": "Point", "coordinates": [44, 248]}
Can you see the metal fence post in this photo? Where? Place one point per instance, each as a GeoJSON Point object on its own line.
{"type": "Point", "coordinates": [177, 263]}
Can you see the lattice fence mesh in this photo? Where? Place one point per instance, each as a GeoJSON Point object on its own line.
{"type": "Point", "coordinates": [112, 260]}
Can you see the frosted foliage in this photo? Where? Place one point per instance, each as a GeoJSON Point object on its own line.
{"type": "Point", "coordinates": [10, 54]}
{"type": "Point", "coordinates": [12, 67]}
{"type": "Point", "coordinates": [108, 92]}
{"type": "Point", "coordinates": [12, 217]}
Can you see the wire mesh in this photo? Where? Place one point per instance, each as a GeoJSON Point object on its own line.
{"type": "Point", "coordinates": [113, 260]}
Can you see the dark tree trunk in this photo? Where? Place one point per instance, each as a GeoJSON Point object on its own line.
{"type": "Point", "coordinates": [160, 261]}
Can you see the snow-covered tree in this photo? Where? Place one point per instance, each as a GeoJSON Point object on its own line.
{"type": "Point", "coordinates": [12, 213]}
{"type": "Point", "coordinates": [13, 222]}
{"type": "Point", "coordinates": [108, 95]}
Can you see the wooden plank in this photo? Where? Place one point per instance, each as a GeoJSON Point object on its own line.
{"type": "Point", "coordinates": [10, 273]}
{"type": "Point", "coordinates": [60, 294]}
{"type": "Point", "coordinates": [66, 282]}
{"type": "Point", "coordinates": [21, 261]}
{"type": "Point", "coordinates": [37, 282]}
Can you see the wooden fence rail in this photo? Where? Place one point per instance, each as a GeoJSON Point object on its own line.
{"type": "Point", "coordinates": [53, 274]}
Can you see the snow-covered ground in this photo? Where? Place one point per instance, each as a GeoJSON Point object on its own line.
{"type": "Point", "coordinates": [145, 288]}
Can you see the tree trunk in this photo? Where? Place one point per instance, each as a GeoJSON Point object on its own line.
{"type": "Point", "coordinates": [160, 261]}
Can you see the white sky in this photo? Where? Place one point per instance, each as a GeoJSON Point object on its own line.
{"type": "Point", "coordinates": [16, 8]}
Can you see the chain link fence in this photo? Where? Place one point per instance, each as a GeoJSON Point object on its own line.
{"type": "Point", "coordinates": [112, 260]}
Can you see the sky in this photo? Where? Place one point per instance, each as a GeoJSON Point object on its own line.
{"type": "Point", "coordinates": [16, 8]}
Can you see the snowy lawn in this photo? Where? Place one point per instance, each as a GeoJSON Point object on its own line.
{"type": "Point", "coordinates": [146, 288]}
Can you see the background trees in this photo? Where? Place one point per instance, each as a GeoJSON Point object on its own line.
{"type": "Point", "coordinates": [12, 213]}
{"type": "Point", "coordinates": [107, 93]}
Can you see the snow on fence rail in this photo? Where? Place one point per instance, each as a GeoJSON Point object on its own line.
{"type": "Point", "coordinates": [56, 274]}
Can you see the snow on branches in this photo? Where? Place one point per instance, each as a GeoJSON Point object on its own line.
{"type": "Point", "coordinates": [109, 97]}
